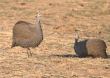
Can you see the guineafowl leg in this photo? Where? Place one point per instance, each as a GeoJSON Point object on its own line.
{"type": "Point", "coordinates": [29, 52]}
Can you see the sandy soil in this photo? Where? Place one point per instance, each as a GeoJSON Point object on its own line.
{"type": "Point", "coordinates": [55, 57]}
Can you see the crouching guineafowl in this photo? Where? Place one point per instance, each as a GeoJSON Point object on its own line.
{"type": "Point", "coordinates": [90, 47]}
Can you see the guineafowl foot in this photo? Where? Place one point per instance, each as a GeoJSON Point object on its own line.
{"type": "Point", "coordinates": [29, 52]}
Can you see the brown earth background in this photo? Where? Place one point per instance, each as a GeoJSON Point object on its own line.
{"type": "Point", "coordinates": [54, 58]}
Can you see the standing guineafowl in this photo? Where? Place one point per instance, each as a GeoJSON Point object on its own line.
{"type": "Point", "coordinates": [27, 35]}
{"type": "Point", "coordinates": [90, 47]}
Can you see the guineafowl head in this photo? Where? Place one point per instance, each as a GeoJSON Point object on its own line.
{"type": "Point", "coordinates": [76, 36]}
{"type": "Point", "coordinates": [38, 15]}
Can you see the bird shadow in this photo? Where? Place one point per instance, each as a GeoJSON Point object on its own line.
{"type": "Point", "coordinates": [73, 56]}
{"type": "Point", "coordinates": [64, 56]}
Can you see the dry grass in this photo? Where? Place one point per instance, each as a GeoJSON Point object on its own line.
{"type": "Point", "coordinates": [54, 57]}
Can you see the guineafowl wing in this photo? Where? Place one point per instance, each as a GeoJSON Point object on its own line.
{"type": "Point", "coordinates": [23, 31]}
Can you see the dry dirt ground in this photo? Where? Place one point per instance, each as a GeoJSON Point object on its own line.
{"type": "Point", "coordinates": [55, 57]}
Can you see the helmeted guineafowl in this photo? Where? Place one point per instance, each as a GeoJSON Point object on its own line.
{"type": "Point", "coordinates": [27, 35]}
